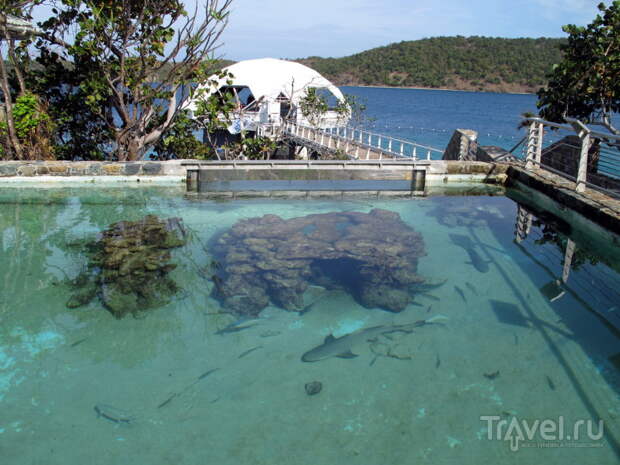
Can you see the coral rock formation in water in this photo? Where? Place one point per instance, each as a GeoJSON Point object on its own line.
{"type": "Point", "coordinates": [129, 266]}
{"type": "Point", "coordinates": [372, 255]}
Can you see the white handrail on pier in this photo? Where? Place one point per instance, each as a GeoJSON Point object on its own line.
{"type": "Point", "coordinates": [607, 164]}
{"type": "Point", "coordinates": [357, 143]}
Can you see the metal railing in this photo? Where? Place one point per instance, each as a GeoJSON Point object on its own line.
{"type": "Point", "coordinates": [359, 143]}
{"type": "Point", "coordinates": [601, 173]}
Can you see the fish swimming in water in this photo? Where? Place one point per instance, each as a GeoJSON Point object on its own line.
{"type": "Point", "coordinates": [206, 373]}
{"type": "Point", "coordinates": [342, 347]}
{"type": "Point", "coordinates": [471, 287]}
{"type": "Point", "coordinates": [460, 292]}
{"type": "Point", "coordinates": [475, 259]}
{"type": "Point", "coordinates": [491, 375]}
{"type": "Point", "coordinates": [236, 326]}
{"type": "Point", "coordinates": [430, 297]}
{"type": "Point", "coordinates": [77, 343]}
{"type": "Point", "coordinates": [249, 351]}
{"type": "Point", "coordinates": [428, 285]}
{"type": "Point", "coordinates": [167, 401]}
{"type": "Point", "coordinates": [113, 414]}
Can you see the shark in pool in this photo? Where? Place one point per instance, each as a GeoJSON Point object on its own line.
{"type": "Point", "coordinates": [474, 257]}
{"type": "Point", "coordinates": [342, 347]}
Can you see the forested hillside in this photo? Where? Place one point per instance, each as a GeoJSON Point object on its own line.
{"type": "Point", "coordinates": [466, 63]}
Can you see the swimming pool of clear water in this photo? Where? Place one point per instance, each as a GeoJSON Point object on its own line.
{"type": "Point", "coordinates": [524, 340]}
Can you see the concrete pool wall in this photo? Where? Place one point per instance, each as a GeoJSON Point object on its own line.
{"type": "Point", "coordinates": [177, 169]}
{"type": "Point", "coordinates": [600, 209]}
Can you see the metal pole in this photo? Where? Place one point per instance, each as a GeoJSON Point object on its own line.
{"type": "Point", "coordinates": [586, 142]}
{"type": "Point", "coordinates": [532, 145]}
{"type": "Point", "coordinates": [568, 259]}
{"type": "Point", "coordinates": [541, 132]}
{"type": "Point", "coordinates": [582, 174]}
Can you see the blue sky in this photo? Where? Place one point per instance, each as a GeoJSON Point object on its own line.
{"type": "Point", "coordinates": [295, 29]}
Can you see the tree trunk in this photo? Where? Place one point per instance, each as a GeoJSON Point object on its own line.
{"type": "Point", "coordinates": [129, 146]}
{"type": "Point", "coordinates": [18, 72]}
{"type": "Point", "coordinates": [10, 122]}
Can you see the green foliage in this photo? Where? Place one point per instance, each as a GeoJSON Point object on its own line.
{"type": "Point", "coordinates": [258, 148]}
{"type": "Point", "coordinates": [131, 66]}
{"type": "Point", "coordinates": [33, 127]}
{"type": "Point", "coordinates": [313, 106]}
{"type": "Point", "coordinates": [179, 142]}
{"type": "Point", "coordinates": [28, 116]}
{"type": "Point", "coordinates": [214, 110]}
{"type": "Point", "coordinates": [80, 133]}
{"type": "Point", "coordinates": [586, 83]}
{"type": "Point", "coordinates": [252, 148]}
{"type": "Point", "coordinates": [454, 62]}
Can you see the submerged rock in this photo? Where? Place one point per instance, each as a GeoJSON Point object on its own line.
{"type": "Point", "coordinates": [374, 256]}
{"type": "Point", "coordinates": [129, 265]}
{"type": "Point", "coordinates": [313, 387]}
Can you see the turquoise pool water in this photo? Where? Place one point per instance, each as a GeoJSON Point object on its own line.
{"type": "Point", "coordinates": [196, 381]}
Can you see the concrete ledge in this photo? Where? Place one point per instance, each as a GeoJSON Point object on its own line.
{"type": "Point", "coordinates": [592, 204]}
{"type": "Point", "coordinates": [25, 169]}
{"type": "Point", "coordinates": [46, 179]}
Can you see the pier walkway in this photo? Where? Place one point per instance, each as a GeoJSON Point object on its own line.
{"type": "Point", "coordinates": [358, 144]}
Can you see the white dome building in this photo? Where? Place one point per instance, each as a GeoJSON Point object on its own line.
{"type": "Point", "coordinates": [269, 91]}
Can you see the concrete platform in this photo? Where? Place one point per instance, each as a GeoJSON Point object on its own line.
{"type": "Point", "coordinates": [592, 204]}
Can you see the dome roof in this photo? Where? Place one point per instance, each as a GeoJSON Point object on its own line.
{"type": "Point", "coordinates": [269, 77]}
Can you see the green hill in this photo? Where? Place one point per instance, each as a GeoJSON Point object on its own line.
{"type": "Point", "coordinates": [464, 63]}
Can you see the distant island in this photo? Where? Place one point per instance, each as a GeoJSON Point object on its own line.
{"type": "Point", "coordinates": [459, 63]}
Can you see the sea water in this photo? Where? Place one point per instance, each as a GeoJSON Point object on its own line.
{"type": "Point", "coordinates": [429, 117]}
{"type": "Point", "coordinates": [518, 342]}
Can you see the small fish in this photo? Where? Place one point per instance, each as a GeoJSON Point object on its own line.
{"type": "Point", "coordinates": [475, 259]}
{"type": "Point", "coordinates": [77, 343]}
{"type": "Point", "coordinates": [460, 292]}
{"type": "Point", "coordinates": [516, 339]}
{"type": "Point", "coordinates": [491, 375]}
{"type": "Point", "coordinates": [113, 414]}
{"type": "Point", "coordinates": [249, 351]}
{"type": "Point", "coordinates": [471, 287]}
{"type": "Point", "coordinates": [428, 310]}
{"type": "Point", "coordinates": [438, 362]}
{"type": "Point", "coordinates": [167, 401]}
{"type": "Point", "coordinates": [397, 356]}
{"type": "Point", "coordinates": [207, 373]}
{"type": "Point", "coordinates": [431, 296]}
{"type": "Point", "coordinates": [550, 383]}
{"type": "Point", "coordinates": [269, 333]}
{"type": "Point", "coordinates": [235, 327]}
{"type": "Point", "coordinates": [372, 362]}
